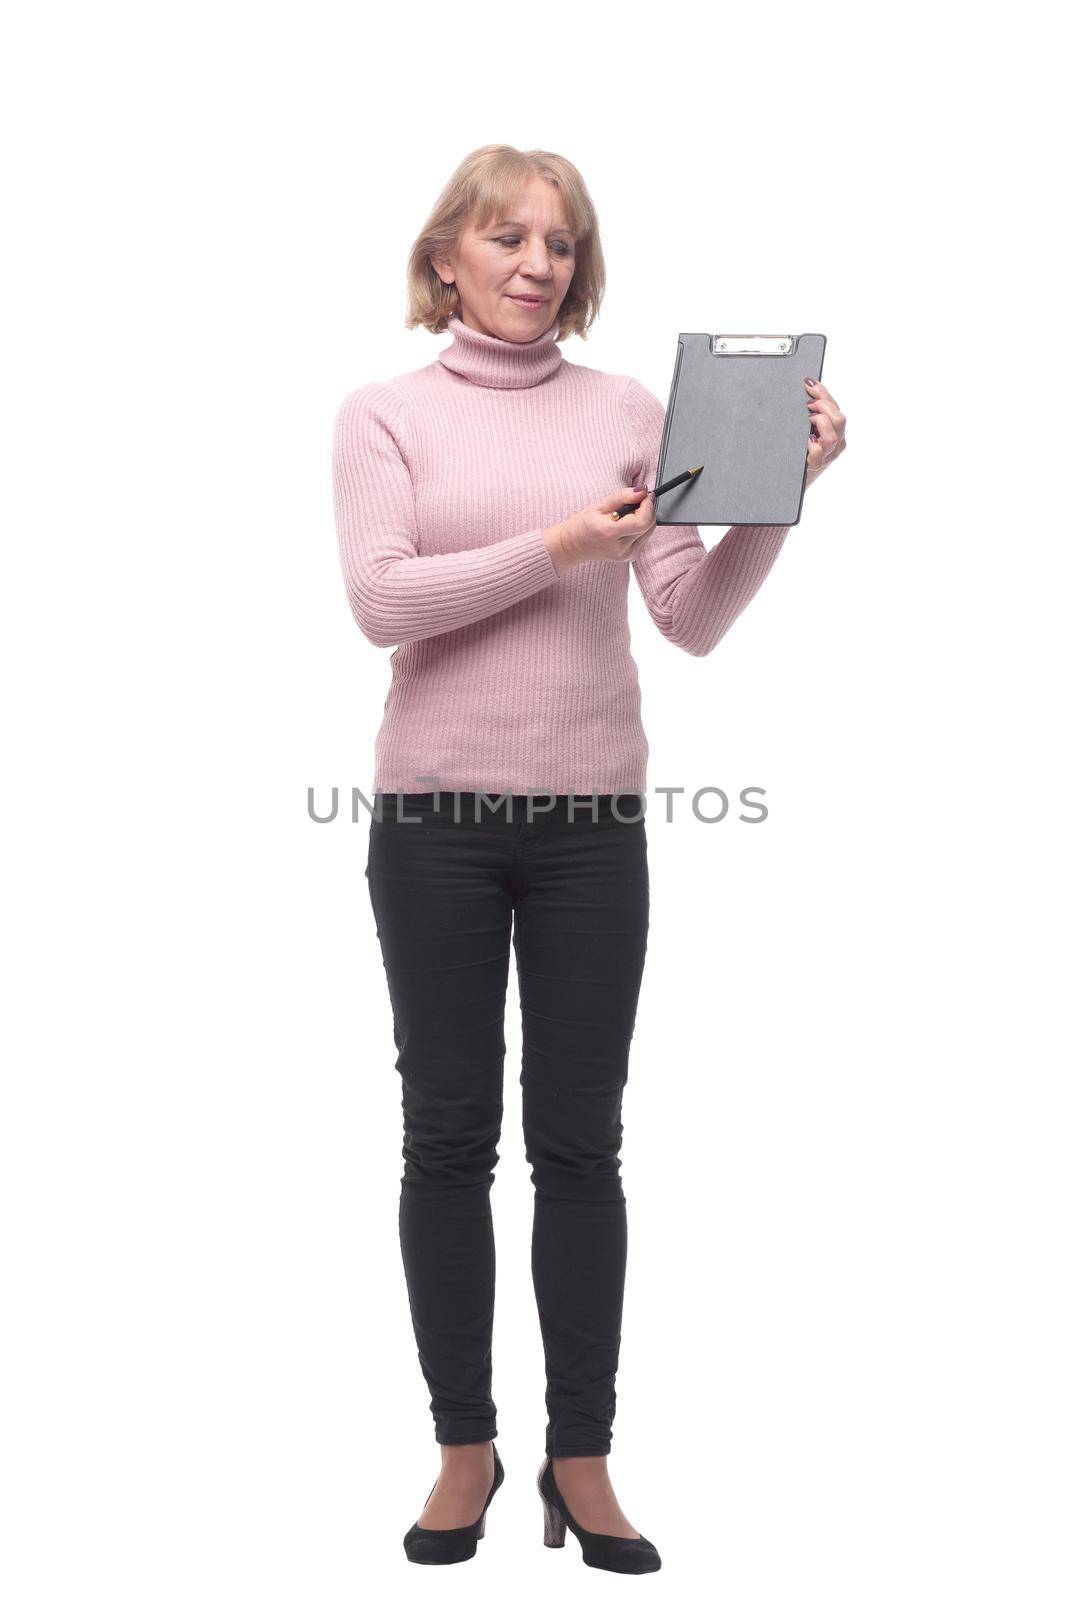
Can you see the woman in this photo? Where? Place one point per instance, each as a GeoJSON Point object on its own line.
{"type": "Point", "coordinates": [455, 494]}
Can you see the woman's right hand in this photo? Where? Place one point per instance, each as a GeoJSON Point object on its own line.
{"type": "Point", "coordinates": [591, 535]}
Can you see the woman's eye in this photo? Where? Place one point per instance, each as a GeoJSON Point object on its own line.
{"type": "Point", "coordinates": [564, 249]}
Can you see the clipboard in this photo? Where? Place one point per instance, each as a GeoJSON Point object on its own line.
{"type": "Point", "coordinates": [738, 405]}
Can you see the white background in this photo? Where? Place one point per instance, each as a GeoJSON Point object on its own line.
{"type": "Point", "coordinates": [842, 1367]}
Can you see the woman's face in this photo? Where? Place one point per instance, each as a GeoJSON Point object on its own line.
{"type": "Point", "coordinates": [528, 253]}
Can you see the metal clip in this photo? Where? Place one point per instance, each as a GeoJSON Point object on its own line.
{"type": "Point", "coordinates": [753, 344]}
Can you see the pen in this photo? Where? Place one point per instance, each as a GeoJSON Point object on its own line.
{"type": "Point", "coordinates": [672, 483]}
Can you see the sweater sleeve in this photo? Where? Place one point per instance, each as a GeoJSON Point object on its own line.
{"type": "Point", "coordinates": [693, 594]}
{"type": "Point", "coordinates": [395, 594]}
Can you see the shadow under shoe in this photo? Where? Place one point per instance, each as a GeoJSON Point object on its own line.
{"type": "Point", "coordinates": [437, 1547]}
{"type": "Point", "coordinates": [607, 1550]}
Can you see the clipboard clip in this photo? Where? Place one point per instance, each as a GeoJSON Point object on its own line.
{"type": "Point", "coordinates": [753, 344]}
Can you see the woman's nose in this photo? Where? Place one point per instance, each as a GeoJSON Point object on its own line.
{"type": "Point", "coordinates": [537, 263]}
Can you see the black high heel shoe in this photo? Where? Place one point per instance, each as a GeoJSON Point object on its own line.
{"type": "Point", "coordinates": [605, 1550]}
{"type": "Point", "coordinates": [436, 1547]}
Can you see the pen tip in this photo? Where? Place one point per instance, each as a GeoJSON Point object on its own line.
{"type": "Point", "coordinates": [694, 470]}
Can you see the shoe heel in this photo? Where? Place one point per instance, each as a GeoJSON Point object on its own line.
{"type": "Point", "coordinates": [480, 1531]}
{"type": "Point", "coordinates": [555, 1527]}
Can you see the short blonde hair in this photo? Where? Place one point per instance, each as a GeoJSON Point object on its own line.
{"type": "Point", "coordinates": [480, 191]}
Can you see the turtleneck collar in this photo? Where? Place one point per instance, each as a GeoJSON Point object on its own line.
{"type": "Point", "coordinates": [500, 363]}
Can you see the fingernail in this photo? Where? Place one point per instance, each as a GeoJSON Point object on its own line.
{"type": "Point", "coordinates": [811, 381]}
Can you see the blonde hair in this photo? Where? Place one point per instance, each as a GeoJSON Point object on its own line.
{"type": "Point", "coordinates": [480, 191]}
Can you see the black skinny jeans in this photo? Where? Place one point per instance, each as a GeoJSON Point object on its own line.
{"type": "Point", "coordinates": [444, 895]}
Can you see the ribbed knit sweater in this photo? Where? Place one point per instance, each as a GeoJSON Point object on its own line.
{"type": "Point", "coordinates": [505, 674]}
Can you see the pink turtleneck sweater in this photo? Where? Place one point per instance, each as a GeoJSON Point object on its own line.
{"type": "Point", "coordinates": [506, 675]}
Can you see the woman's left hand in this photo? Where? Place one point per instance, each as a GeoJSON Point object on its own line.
{"type": "Point", "coordinates": [828, 422]}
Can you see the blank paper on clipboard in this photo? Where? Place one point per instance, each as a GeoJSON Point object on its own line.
{"type": "Point", "coordinates": [739, 406]}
